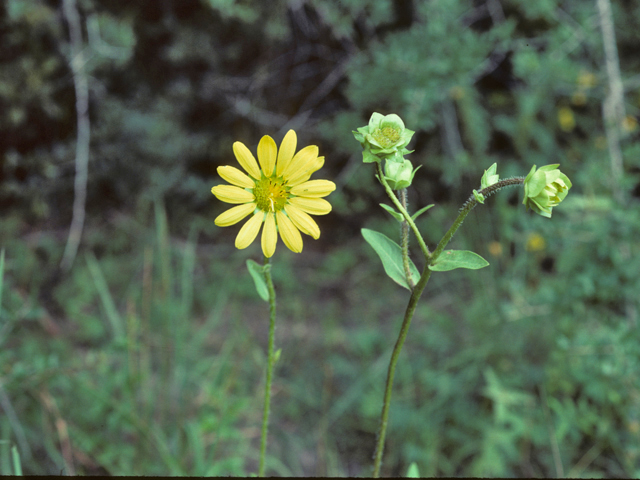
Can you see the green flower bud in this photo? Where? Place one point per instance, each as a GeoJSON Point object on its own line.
{"type": "Point", "coordinates": [399, 175]}
{"type": "Point", "coordinates": [384, 138]}
{"type": "Point", "coordinates": [490, 177]}
{"type": "Point", "coordinates": [545, 188]}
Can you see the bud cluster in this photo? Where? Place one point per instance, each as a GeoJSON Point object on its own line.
{"type": "Point", "coordinates": [386, 138]}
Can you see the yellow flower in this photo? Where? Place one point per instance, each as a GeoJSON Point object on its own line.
{"type": "Point", "coordinates": [579, 98]}
{"type": "Point", "coordinates": [629, 123]}
{"type": "Point", "coordinates": [566, 119]}
{"type": "Point", "coordinates": [278, 192]}
{"type": "Point", "coordinates": [587, 80]}
{"type": "Point", "coordinates": [535, 243]}
{"type": "Point", "coordinates": [495, 249]}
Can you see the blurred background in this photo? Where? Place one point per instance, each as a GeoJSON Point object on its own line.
{"type": "Point", "coordinates": [144, 352]}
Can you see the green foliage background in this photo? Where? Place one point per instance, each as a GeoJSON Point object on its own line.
{"type": "Point", "coordinates": [148, 357]}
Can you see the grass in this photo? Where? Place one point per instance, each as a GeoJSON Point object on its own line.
{"type": "Point", "coordinates": [149, 360]}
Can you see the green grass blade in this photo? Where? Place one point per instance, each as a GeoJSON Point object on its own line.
{"type": "Point", "coordinates": [105, 296]}
{"type": "Point", "coordinates": [15, 458]}
{"type": "Point", "coordinates": [162, 237]}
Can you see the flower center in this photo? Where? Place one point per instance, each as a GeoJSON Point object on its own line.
{"type": "Point", "coordinates": [271, 194]}
{"type": "Point", "coordinates": [554, 189]}
{"type": "Point", "coordinates": [387, 136]}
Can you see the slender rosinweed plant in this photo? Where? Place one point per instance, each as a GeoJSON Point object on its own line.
{"type": "Point", "coordinates": [278, 193]}
{"type": "Point", "coordinates": [385, 140]}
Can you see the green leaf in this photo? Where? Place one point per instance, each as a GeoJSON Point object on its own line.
{"type": "Point", "coordinates": [276, 356]}
{"type": "Point", "coordinates": [421, 211]}
{"type": "Point", "coordinates": [479, 196]}
{"type": "Point", "coordinates": [394, 213]}
{"type": "Point", "coordinates": [452, 259]}
{"type": "Point", "coordinates": [257, 273]}
{"type": "Point", "coordinates": [489, 177]}
{"type": "Point", "coordinates": [413, 471]}
{"type": "Point", "coordinates": [17, 465]}
{"type": "Point", "coordinates": [391, 255]}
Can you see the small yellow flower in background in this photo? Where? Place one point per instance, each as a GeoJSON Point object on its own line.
{"type": "Point", "coordinates": [600, 142]}
{"type": "Point", "coordinates": [579, 98]}
{"type": "Point", "coordinates": [495, 249]}
{"type": "Point", "coordinates": [535, 243]}
{"type": "Point", "coordinates": [629, 123]}
{"type": "Point", "coordinates": [587, 80]}
{"type": "Point", "coordinates": [566, 119]}
{"type": "Point", "coordinates": [277, 193]}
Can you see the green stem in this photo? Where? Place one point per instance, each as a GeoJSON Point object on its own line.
{"type": "Point", "coordinates": [467, 207]}
{"type": "Point", "coordinates": [404, 330]}
{"type": "Point", "coordinates": [270, 363]}
{"type": "Point", "coordinates": [404, 240]}
{"type": "Point", "coordinates": [413, 301]}
{"type": "Point", "coordinates": [403, 211]}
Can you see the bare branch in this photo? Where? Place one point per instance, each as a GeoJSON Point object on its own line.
{"type": "Point", "coordinates": [613, 105]}
{"type": "Point", "coordinates": [83, 135]}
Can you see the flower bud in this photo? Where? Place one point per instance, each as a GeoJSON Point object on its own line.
{"type": "Point", "coordinates": [545, 188]}
{"type": "Point", "coordinates": [490, 177]}
{"type": "Point", "coordinates": [399, 175]}
{"type": "Point", "coordinates": [384, 138]}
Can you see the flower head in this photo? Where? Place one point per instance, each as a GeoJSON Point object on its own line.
{"type": "Point", "coordinates": [277, 192]}
{"type": "Point", "coordinates": [545, 188]}
{"type": "Point", "coordinates": [384, 137]}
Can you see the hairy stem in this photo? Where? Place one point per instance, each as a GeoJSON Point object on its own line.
{"type": "Point", "coordinates": [403, 211]}
{"type": "Point", "coordinates": [404, 330]}
{"type": "Point", "coordinates": [413, 301]}
{"type": "Point", "coordinates": [467, 207]}
{"type": "Point", "coordinates": [270, 363]}
{"type": "Point", "coordinates": [404, 237]}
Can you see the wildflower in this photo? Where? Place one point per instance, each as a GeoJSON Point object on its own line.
{"type": "Point", "coordinates": [545, 188]}
{"type": "Point", "coordinates": [495, 249]}
{"type": "Point", "coordinates": [579, 98]}
{"type": "Point", "coordinates": [566, 119]}
{"type": "Point", "coordinates": [277, 193]}
{"type": "Point", "coordinates": [384, 137]}
{"type": "Point", "coordinates": [629, 123]}
{"type": "Point", "coordinates": [587, 80]}
{"type": "Point", "coordinates": [535, 243]}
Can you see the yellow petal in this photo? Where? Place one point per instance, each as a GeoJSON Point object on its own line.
{"type": "Point", "coordinates": [234, 215]}
{"type": "Point", "coordinates": [314, 188]}
{"type": "Point", "coordinates": [289, 233]}
{"type": "Point", "coordinates": [269, 235]}
{"type": "Point", "coordinates": [304, 222]}
{"type": "Point", "coordinates": [231, 194]}
{"type": "Point", "coordinates": [249, 231]}
{"type": "Point", "coordinates": [300, 161]}
{"type": "Point", "coordinates": [236, 177]}
{"type": "Point", "coordinates": [303, 174]}
{"type": "Point", "coordinates": [287, 149]}
{"type": "Point", "coordinates": [246, 159]}
{"type": "Point", "coordinates": [267, 151]}
{"type": "Point", "coordinates": [314, 206]}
